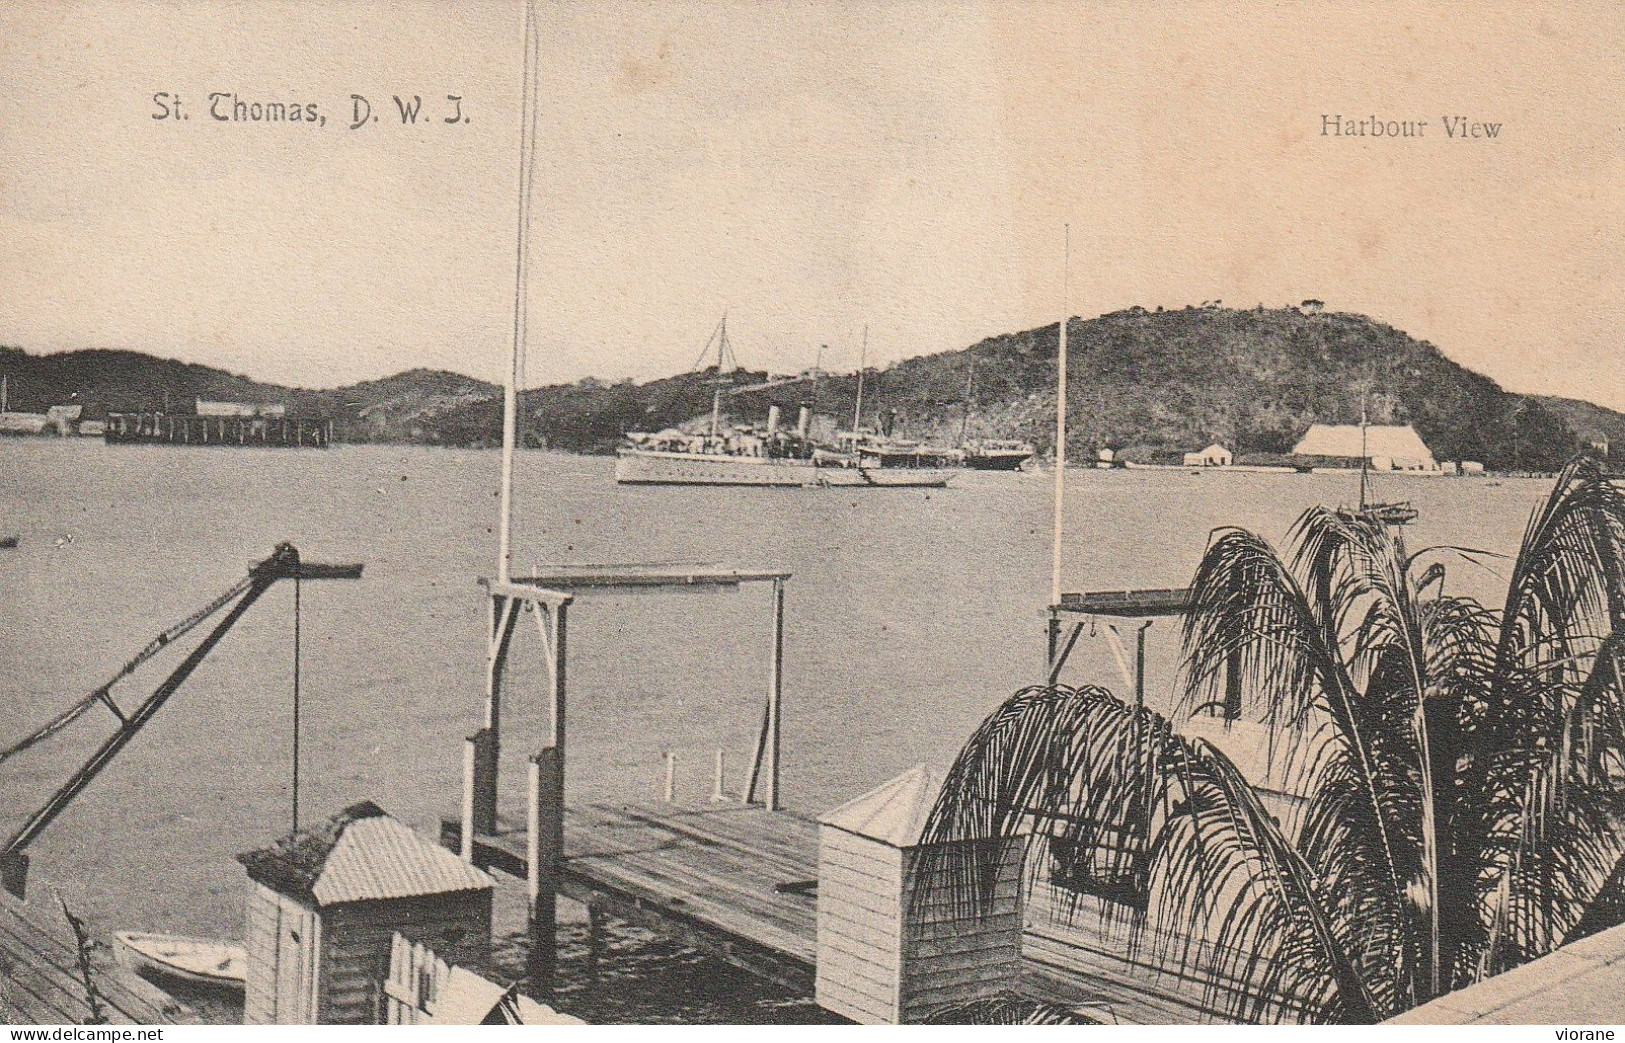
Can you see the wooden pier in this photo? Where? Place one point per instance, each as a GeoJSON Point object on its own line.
{"type": "Point", "coordinates": [738, 878]}
{"type": "Point", "coordinates": [740, 883]}
{"type": "Point", "coordinates": [547, 598]}
{"type": "Point", "coordinates": [160, 428]}
{"type": "Point", "coordinates": [736, 881]}
{"type": "Point", "coordinates": [41, 984]}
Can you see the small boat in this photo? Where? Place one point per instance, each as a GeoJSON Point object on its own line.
{"type": "Point", "coordinates": [8, 542]}
{"type": "Point", "coordinates": [196, 960]}
{"type": "Point", "coordinates": [982, 454]}
{"type": "Point", "coordinates": [997, 455]}
{"type": "Point", "coordinates": [1396, 514]}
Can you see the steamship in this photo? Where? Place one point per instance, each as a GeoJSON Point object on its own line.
{"type": "Point", "coordinates": [743, 454]}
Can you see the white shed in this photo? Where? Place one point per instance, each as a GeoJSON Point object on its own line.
{"type": "Point", "coordinates": [892, 944]}
{"type": "Point", "coordinates": [326, 902]}
{"type": "Point", "coordinates": [1214, 455]}
{"type": "Point", "coordinates": [1388, 446]}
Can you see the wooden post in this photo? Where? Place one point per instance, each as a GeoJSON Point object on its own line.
{"type": "Point", "coordinates": [545, 837]}
{"type": "Point", "coordinates": [557, 633]}
{"type": "Point", "coordinates": [671, 773]}
{"type": "Point", "coordinates": [479, 788]}
{"type": "Point", "coordinates": [754, 783]}
{"type": "Point", "coordinates": [775, 687]}
{"type": "Point", "coordinates": [595, 941]}
{"type": "Point", "coordinates": [1139, 666]}
{"type": "Point", "coordinates": [545, 858]}
{"type": "Point", "coordinates": [482, 757]}
{"type": "Point", "coordinates": [719, 784]}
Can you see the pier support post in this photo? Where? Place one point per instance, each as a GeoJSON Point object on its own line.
{"type": "Point", "coordinates": [764, 766]}
{"type": "Point", "coordinates": [545, 836]}
{"type": "Point", "coordinates": [482, 749]}
{"type": "Point", "coordinates": [479, 788]}
{"type": "Point", "coordinates": [775, 687]}
{"type": "Point", "coordinates": [595, 941]}
{"type": "Point", "coordinates": [545, 856]}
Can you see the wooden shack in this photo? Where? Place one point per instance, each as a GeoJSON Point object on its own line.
{"type": "Point", "coordinates": [326, 902]}
{"type": "Point", "coordinates": [893, 945]}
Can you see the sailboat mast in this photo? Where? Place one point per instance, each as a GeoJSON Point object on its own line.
{"type": "Point", "coordinates": [1060, 423]}
{"type": "Point", "coordinates": [510, 386]}
{"type": "Point", "coordinates": [863, 361]}
{"type": "Point", "coordinates": [970, 389]}
{"type": "Point", "coordinates": [1364, 453]}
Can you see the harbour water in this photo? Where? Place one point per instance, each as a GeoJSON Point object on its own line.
{"type": "Point", "coordinates": [910, 614]}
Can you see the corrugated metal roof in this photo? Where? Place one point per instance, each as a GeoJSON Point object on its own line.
{"type": "Point", "coordinates": [1398, 442]}
{"type": "Point", "coordinates": [360, 854]}
{"type": "Point", "coordinates": [894, 812]}
{"type": "Point", "coordinates": [381, 858]}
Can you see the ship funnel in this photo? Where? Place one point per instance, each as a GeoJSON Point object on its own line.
{"type": "Point", "coordinates": [773, 418]}
{"type": "Point", "coordinates": [803, 420]}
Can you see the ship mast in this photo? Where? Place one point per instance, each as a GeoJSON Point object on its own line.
{"type": "Point", "coordinates": [1364, 458]}
{"type": "Point", "coordinates": [970, 389]}
{"type": "Point", "coordinates": [724, 353]}
{"type": "Point", "coordinates": [515, 374]}
{"type": "Point", "coordinates": [863, 361]}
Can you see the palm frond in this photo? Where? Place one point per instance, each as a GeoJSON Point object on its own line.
{"type": "Point", "coordinates": [1298, 637]}
{"type": "Point", "coordinates": [1196, 862]}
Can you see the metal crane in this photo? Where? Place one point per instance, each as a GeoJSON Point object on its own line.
{"type": "Point", "coordinates": [284, 563]}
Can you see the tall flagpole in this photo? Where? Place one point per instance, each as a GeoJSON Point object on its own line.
{"type": "Point", "coordinates": [510, 387]}
{"type": "Point", "coordinates": [1060, 424]}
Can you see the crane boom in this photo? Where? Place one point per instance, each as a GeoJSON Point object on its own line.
{"type": "Point", "coordinates": [284, 563]}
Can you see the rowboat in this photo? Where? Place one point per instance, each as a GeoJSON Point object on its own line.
{"type": "Point", "coordinates": [196, 960]}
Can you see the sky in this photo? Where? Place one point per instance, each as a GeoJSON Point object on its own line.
{"type": "Point", "coordinates": [812, 170]}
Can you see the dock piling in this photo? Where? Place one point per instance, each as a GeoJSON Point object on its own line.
{"type": "Point", "coordinates": [479, 788]}
{"type": "Point", "coordinates": [775, 688]}
{"type": "Point", "coordinates": [545, 843]}
{"type": "Point", "coordinates": [595, 940]}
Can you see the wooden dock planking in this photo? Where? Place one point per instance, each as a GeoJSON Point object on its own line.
{"type": "Point", "coordinates": [710, 874]}
{"type": "Point", "coordinates": [40, 983]}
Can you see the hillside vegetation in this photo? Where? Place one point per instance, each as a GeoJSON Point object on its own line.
{"type": "Point", "coordinates": [1145, 383]}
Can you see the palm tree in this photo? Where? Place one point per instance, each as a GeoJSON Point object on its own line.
{"type": "Point", "coordinates": [1460, 768]}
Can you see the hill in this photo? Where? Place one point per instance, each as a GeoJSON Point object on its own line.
{"type": "Point", "coordinates": [1145, 383]}
{"type": "Point", "coordinates": [1254, 379]}
{"type": "Point", "coordinates": [1590, 423]}
{"type": "Point", "coordinates": [403, 407]}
